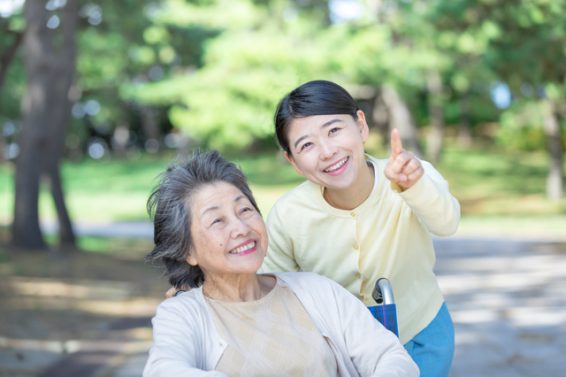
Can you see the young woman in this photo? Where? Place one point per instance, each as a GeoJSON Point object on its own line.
{"type": "Point", "coordinates": [210, 236]}
{"type": "Point", "coordinates": [358, 218]}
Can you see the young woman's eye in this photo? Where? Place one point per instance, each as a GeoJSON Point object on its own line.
{"type": "Point", "coordinates": [305, 146]}
{"type": "Point", "coordinates": [333, 130]}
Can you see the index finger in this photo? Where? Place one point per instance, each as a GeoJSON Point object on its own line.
{"type": "Point", "coordinates": [396, 144]}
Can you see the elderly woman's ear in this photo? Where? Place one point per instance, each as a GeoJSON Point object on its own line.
{"type": "Point", "coordinates": [192, 260]}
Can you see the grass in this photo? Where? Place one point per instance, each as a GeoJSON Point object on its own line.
{"type": "Point", "coordinates": [492, 183]}
{"type": "Point", "coordinates": [493, 187]}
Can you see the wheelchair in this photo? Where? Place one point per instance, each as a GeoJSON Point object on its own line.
{"type": "Point", "coordinates": [385, 311]}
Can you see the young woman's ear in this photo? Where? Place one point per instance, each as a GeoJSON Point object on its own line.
{"type": "Point", "coordinates": [362, 124]}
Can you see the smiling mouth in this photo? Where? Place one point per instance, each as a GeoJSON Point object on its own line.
{"type": "Point", "coordinates": [336, 166]}
{"type": "Point", "coordinates": [244, 249]}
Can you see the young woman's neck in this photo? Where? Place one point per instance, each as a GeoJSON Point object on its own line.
{"type": "Point", "coordinates": [354, 195]}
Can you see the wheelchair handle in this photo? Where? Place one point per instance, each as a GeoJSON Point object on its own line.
{"type": "Point", "coordinates": [383, 292]}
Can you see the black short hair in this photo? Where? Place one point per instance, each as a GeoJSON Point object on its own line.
{"type": "Point", "coordinates": [318, 97]}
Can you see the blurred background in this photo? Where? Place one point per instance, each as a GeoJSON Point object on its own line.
{"type": "Point", "coordinates": [98, 97]}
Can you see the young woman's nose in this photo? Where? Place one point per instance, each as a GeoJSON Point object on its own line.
{"type": "Point", "coordinates": [327, 150]}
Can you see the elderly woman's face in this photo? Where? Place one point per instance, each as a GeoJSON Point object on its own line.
{"type": "Point", "coordinates": [228, 233]}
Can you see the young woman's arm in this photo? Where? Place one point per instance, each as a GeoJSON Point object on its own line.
{"type": "Point", "coordinates": [432, 202]}
{"type": "Point", "coordinates": [280, 255]}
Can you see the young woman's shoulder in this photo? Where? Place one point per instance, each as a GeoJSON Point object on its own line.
{"type": "Point", "coordinates": [298, 194]}
{"type": "Point", "coordinates": [295, 204]}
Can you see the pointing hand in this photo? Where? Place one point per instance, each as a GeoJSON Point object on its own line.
{"type": "Point", "coordinates": [403, 168]}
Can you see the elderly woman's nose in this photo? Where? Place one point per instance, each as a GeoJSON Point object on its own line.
{"type": "Point", "coordinates": [239, 227]}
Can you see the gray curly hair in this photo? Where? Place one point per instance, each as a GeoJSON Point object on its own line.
{"type": "Point", "coordinates": [169, 207]}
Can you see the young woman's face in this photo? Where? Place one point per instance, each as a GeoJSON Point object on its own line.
{"type": "Point", "coordinates": [229, 237]}
{"type": "Point", "coordinates": [328, 149]}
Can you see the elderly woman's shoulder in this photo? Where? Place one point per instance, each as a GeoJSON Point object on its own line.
{"type": "Point", "coordinates": [190, 300]}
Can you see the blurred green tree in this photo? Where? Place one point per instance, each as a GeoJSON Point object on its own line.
{"type": "Point", "coordinates": [253, 52]}
{"type": "Point", "coordinates": [12, 30]}
{"type": "Point", "coordinates": [523, 43]}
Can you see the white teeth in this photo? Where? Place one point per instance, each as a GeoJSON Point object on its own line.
{"type": "Point", "coordinates": [336, 166]}
{"type": "Point", "coordinates": [240, 249]}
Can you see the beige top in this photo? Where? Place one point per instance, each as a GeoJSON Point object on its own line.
{"type": "Point", "coordinates": [273, 336]}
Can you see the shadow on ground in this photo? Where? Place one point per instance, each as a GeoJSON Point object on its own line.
{"type": "Point", "coordinates": [64, 314]}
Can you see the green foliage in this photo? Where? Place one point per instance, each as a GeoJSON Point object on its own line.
{"type": "Point", "coordinates": [13, 91]}
{"type": "Point", "coordinates": [247, 66]}
{"type": "Point", "coordinates": [365, 54]}
{"type": "Point", "coordinates": [98, 64]}
{"type": "Point", "coordinates": [522, 127]}
{"type": "Point", "coordinates": [13, 86]}
{"type": "Point", "coordinates": [230, 102]}
{"type": "Point", "coordinates": [218, 67]}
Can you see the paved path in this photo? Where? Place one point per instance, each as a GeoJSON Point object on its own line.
{"type": "Point", "coordinates": [507, 298]}
{"type": "Point", "coordinates": [508, 301]}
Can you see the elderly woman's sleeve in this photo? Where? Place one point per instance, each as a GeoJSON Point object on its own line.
{"type": "Point", "coordinates": [374, 350]}
{"type": "Point", "coordinates": [176, 350]}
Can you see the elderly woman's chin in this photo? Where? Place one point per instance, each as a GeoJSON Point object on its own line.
{"type": "Point", "coordinates": [249, 262]}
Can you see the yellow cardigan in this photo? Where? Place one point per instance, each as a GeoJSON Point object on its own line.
{"type": "Point", "coordinates": [388, 235]}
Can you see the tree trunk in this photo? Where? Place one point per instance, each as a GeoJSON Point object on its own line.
{"type": "Point", "coordinates": [26, 232]}
{"type": "Point", "coordinates": [46, 112]}
{"type": "Point", "coordinates": [151, 130]}
{"type": "Point", "coordinates": [60, 104]}
{"type": "Point", "coordinates": [555, 179]}
{"type": "Point", "coordinates": [464, 137]}
{"type": "Point", "coordinates": [435, 101]}
{"type": "Point", "coordinates": [380, 117]}
{"type": "Point", "coordinates": [400, 118]}
{"type": "Point", "coordinates": [67, 237]}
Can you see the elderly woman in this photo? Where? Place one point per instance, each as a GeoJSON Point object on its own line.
{"type": "Point", "coordinates": [210, 236]}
